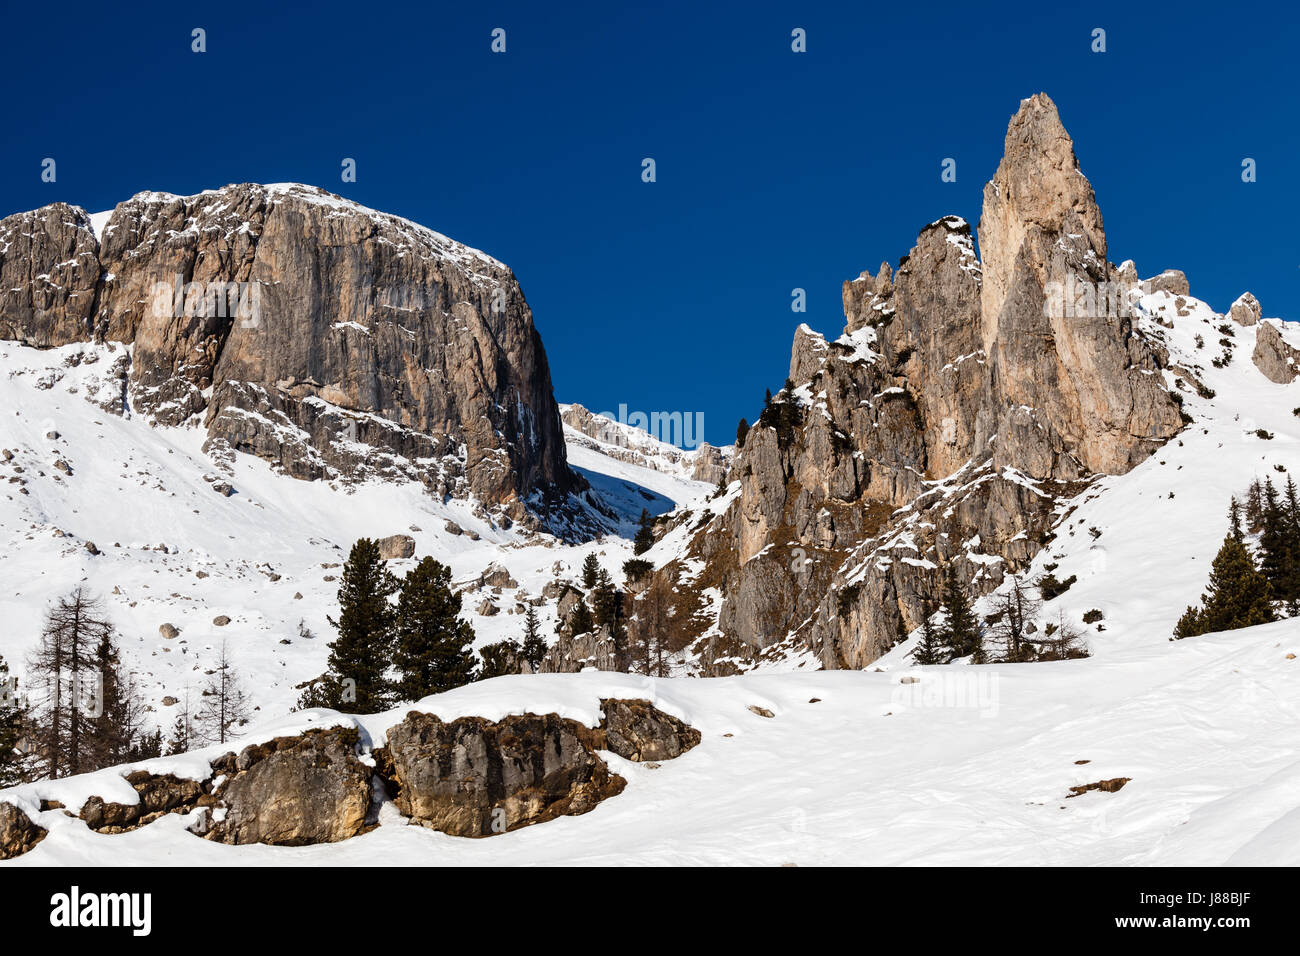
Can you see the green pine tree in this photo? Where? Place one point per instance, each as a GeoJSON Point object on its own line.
{"type": "Point", "coordinates": [960, 629]}
{"type": "Point", "coordinates": [1238, 595]}
{"type": "Point", "coordinates": [500, 659]}
{"type": "Point", "coordinates": [433, 645]}
{"type": "Point", "coordinates": [590, 572]}
{"type": "Point", "coordinates": [929, 649]}
{"type": "Point", "coordinates": [580, 619]}
{"type": "Point", "coordinates": [534, 648]}
{"type": "Point", "coordinates": [1272, 538]}
{"type": "Point", "coordinates": [357, 680]}
{"type": "Point", "coordinates": [11, 728]}
{"type": "Point", "coordinates": [645, 535]}
{"type": "Point", "coordinates": [1288, 588]}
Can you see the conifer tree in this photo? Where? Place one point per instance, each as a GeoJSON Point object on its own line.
{"type": "Point", "coordinates": [960, 629]}
{"type": "Point", "coordinates": [1272, 538]}
{"type": "Point", "coordinates": [1288, 588]}
{"type": "Point", "coordinates": [62, 669]}
{"type": "Point", "coordinates": [223, 704]}
{"type": "Point", "coordinates": [929, 649]}
{"type": "Point", "coordinates": [1234, 518]}
{"type": "Point", "coordinates": [580, 619]}
{"type": "Point", "coordinates": [116, 723]}
{"type": "Point", "coordinates": [1254, 509]}
{"type": "Point", "coordinates": [1238, 595]}
{"type": "Point", "coordinates": [1013, 611]}
{"type": "Point", "coordinates": [500, 659]}
{"type": "Point", "coordinates": [183, 737]}
{"type": "Point", "coordinates": [11, 728]}
{"type": "Point", "coordinates": [433, 652]}
{"type": "Point", "coordinates": [590, 572]}
{"type": "Point", "coordinates": [645, 535]}
{"type": "Point", "coordinates": [357, 679]}
{"type": "Point", "coordinates": [742, 429]}
{"type": "Point", "coordinates": [534, 648]}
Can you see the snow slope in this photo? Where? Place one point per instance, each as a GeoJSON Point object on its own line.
{"type": "Point", "coordinates": [172, 550]}
{"type": "Point", "coordinates": [966, 766]}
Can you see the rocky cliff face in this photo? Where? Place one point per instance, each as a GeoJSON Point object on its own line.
{"type": "Point", "coordinates": [964, 404]}
{"type": "Point", "coordinates": [328, 338]}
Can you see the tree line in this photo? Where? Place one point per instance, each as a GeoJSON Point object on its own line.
{"type": "Point", "coordinates": [1008, 634]}
{"type": "Point", "coordinates": [81, 709]}
{"type": "Point", "coordinates": [1255, 577]}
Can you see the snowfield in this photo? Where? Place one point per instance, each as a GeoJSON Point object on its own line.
{"type": "Point", "coordinates": [966, 766]}
{"type": "Point", "coordinates": [893, 765]}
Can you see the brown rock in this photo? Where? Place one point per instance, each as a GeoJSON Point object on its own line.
{"type": "Point", "coordinates": [396, 546]}
{"type": "Point", "coordinates": [473, 777]}
{"type": "Point", "coordinates": [159, 795]}
{"type": "Point", "coordinates": [18, 832]}
{"type": "Point", "coordinates": [636, 730]}
{"type": "Point", "coordinates": [1277, 359]}
{"type": "Point", "coordinates": [292, 791]}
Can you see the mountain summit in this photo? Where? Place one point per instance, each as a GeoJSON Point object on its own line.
{"type": "Point", "coordinates": [331, 339]}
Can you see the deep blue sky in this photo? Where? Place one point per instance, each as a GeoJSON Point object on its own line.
{"type": "Point", "coordinates": [776, 170]}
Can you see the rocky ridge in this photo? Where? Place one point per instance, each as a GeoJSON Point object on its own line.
{"type": "Point", "coordinates": [952, 423]}
{"type": "Point", "coordinates": [330, 339]}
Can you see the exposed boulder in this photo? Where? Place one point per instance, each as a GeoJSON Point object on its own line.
{"type": "Point", "coordinates": [291, 791]}
{"type": "Point", "coordinates": [638, 731]}
{"type": "Point", "coordinates": [396, 547]}
{"type": "Point", "coordinates": [159, 795]}
{"type": "Point", "coordinates": [474, 777]}
{"type": "Point", "coordinates": [18, 832]}
{"type": "Point", "coordinates": [497, 576]}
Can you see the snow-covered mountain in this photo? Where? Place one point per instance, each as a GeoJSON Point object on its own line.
{"type": "Point", "coordinates": [972, 416]}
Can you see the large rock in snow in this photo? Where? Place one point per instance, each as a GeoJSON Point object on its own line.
{"type": "Point", "coordinates": [475, 777]}
{"type": "Point", "coordinates": [18, 833]}
{"type": "Point", "coordinates": [638, 731]}
{"type": "Point", "coordinates": [291, 791]}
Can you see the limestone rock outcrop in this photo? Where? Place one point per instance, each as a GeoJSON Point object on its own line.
{"type": "Point", "coordinates": [475, 777]}
{"type": "Point", "coordinates": [964, 401]}
{"type": "Point", "coordinates": [1273, 355]}
{"type": "Point", "coordinates": [331, 339]}
{"type": "Point", "coordinates": [158, 795]}
{"type": "Point", "coordinates": [638, 731]}
{"type": "Point", "coordinates": [18, 833]}
{"type": "Point", "coordinates": [291, 791]}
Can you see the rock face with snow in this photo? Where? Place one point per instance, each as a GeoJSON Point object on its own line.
{"type": "Point", "coordinates": [962, 403]}
{"type": "Point", "coordinates": [323, 336]}
{"type": "Point", "coordinates": [624, 441]}
{"type": "Point", "coordinates": [158, 794]}
{"type": "Point", "coordinates": [1278, 360]}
